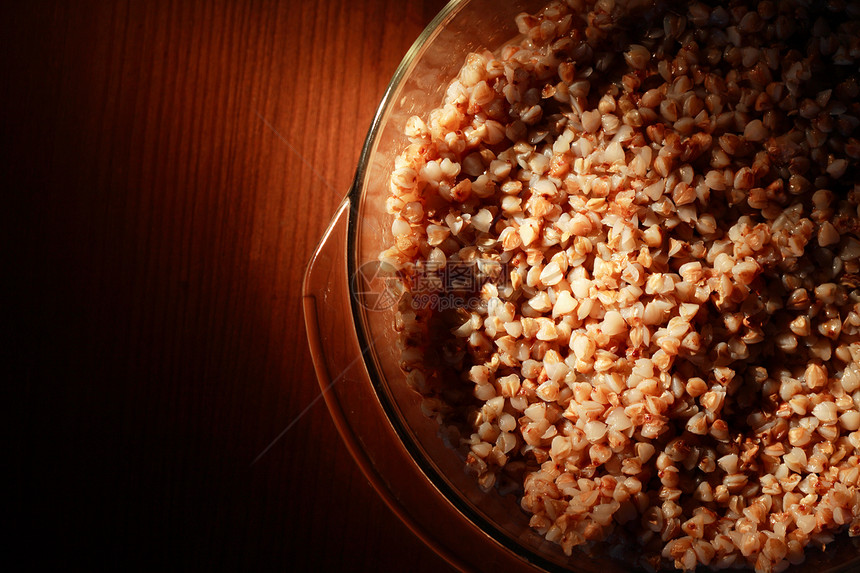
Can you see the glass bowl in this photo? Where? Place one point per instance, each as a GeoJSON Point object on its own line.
{"type": "Point", "coordinates": [350, 325]}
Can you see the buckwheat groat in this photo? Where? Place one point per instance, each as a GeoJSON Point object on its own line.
{"type": "Point", "coordinates": [657, 214]}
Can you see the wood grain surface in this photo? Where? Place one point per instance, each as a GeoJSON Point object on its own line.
{"type": "Point", "coordinates": [169, 167]}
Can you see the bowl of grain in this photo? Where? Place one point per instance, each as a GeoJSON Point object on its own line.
{"type": "Point", "coordinates": [593, 300]}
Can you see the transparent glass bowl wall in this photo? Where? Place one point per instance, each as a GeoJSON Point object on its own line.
{"type": "Point", "coordinates": [354, 347]}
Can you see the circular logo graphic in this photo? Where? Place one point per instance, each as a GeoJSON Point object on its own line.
{"type": "Point", "coordinates": [376, 286]}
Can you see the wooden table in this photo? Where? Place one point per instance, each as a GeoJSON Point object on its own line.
{"type": "Point", "coordinates": [169, 167]}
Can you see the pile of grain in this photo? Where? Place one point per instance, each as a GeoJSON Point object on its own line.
{"type": "Point", "coordinates": [672, 347]}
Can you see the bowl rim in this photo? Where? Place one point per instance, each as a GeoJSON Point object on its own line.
{"type": "Point", "coordinates": [354, 197]}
